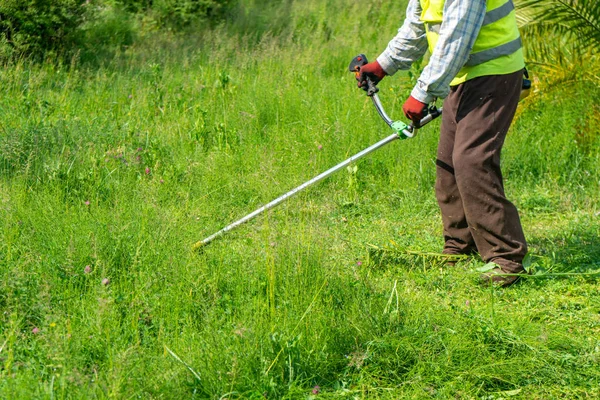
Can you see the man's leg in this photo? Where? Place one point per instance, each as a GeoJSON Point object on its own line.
{"type": "Point", "coordinates": [485, 112]}
{"type": "Point", "coordinates": [457, 236]}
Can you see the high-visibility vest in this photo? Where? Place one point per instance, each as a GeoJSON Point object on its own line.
{"type": "Point", "coordinates": [497, 49]}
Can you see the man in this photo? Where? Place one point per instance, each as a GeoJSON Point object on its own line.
{"type": "Point", "coordinates": [477, 65]}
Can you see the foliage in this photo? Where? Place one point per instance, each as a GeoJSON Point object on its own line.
{"type": "Point", "coordinates": [35, 26]}
{"type": "Point", "coordinates": [32, 28]}
{"type": "Point", "coordinates": [577, 21]}
{"type": "Point", "coordinates": [179, 13]}
{"type": "Point", "coordinates": [563, 36]}
{"type": "Point", "coordinates": [562, 39]}
{"type": "Point", "coordinates": [111, 31]}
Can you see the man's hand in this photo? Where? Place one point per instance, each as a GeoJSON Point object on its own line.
{"type": "Point", "coordinates": [373, 71]}
{"type": "Point", "coordinates": [414, 110]}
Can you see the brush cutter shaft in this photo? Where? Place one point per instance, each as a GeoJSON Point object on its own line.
{"type": "Point", "coordinates": [405, 133]}
{"type": "Point", "coordinates": [292, 192]}
{"type": "Point", "coordinates": [401, 131]}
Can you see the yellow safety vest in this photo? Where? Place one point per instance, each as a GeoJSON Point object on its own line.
{"type": "Point", "coordinates": [497, 49]}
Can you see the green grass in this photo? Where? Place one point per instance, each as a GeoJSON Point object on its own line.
{"type": "Point", "coordinates": [121, 165]}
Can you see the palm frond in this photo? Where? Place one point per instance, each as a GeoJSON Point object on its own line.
{"type": "Point", "coordinates": [562, 38]}
{"type": "Point", "coordinates": [574, 21]}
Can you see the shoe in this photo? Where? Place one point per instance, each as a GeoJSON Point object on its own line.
{"type": "Point", "coordinates": [453, 255]}
{"type": "Point", "coordinates": [451, 259]}
{"type": "Point", "coordinates": [500, 278]}
{"type": "Point", "coordinates": [450, 262]}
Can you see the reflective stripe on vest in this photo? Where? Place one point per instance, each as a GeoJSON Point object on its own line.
{"type": "Point", "coordinates": [432, 15]}
{"type": "Point", "coordinates": [498, 13]}
{"type": "Point", "coordinates": [495, 52]}
{"type": "Point", "coordinates": [490, 16]}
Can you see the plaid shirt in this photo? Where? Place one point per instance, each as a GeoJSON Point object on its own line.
{"type": "Point", "coordinates": [462, 21]}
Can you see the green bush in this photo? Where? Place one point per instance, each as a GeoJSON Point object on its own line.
{"type": "Point", "coordinates": [111, 30]}
{"type": "Point", "coordinates": [32, 27]}
{"type": "Point", "coordinates": [178, 13]}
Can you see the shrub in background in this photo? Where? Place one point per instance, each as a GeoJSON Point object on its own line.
{"type": "Point", "coordinates": [34, 27]}
{"type": "Point", "coordinates": [178, 14]}
{"type": "Point", "coordinates": [111, 29]}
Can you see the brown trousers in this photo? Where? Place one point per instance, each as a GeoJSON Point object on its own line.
{"type": "Point", "coordinates": [476, 214]}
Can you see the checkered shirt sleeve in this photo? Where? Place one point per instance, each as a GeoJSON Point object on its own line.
{"type": "Point", "coordinates": [460, 27]}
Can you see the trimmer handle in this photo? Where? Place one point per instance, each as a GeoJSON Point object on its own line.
{"type": "Point", "coordinates": [430, 112]}
{"type": "Point", "coordinates": [526, 87]}
{"type": "Point", "coordinates": [355, 65]}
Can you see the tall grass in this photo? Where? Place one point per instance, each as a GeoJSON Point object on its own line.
{"type": "Point", "coordinates": [110, 171]}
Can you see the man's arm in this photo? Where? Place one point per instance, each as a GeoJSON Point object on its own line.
{"type": "Point", "coordinates": [462, 21]}
{"type": "Point", "coordinates": [408, 45]}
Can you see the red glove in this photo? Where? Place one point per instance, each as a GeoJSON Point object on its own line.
{"type": "Point", "coordinates": [373, 71]}
{"type": "Point", "coordinates": [414, 110]}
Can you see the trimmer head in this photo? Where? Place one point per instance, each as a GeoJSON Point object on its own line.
{"type": "Point", "coordinates": [198, 245]}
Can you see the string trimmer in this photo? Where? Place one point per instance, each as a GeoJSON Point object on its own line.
{"type": "Point", "coordinates": [401, 131]}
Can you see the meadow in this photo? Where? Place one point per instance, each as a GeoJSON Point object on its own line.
{"type": "Point", "coordinates": [112, 167]}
